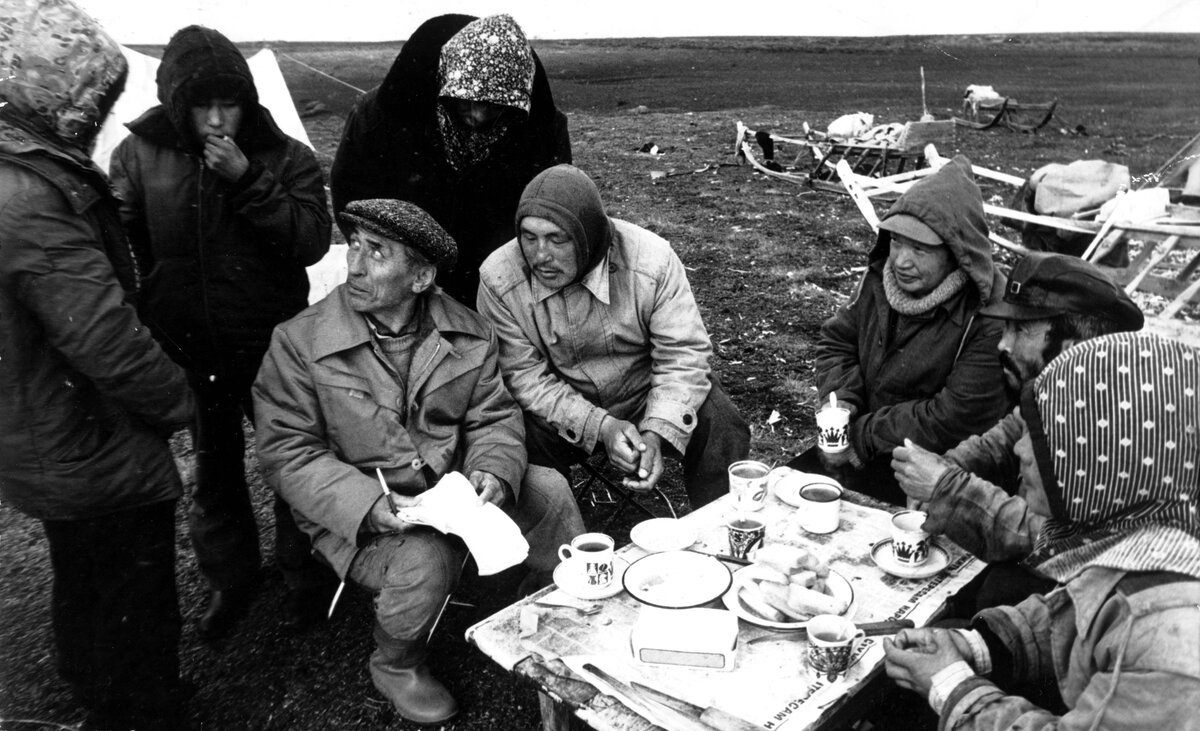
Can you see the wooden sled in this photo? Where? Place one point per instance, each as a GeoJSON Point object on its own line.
{"type": "Point", "coordinates": [1010, 114]}
{"type": "Point", "coordinates": [871, 159]}
{"type": "Point", "coordinates": [1167, 266]}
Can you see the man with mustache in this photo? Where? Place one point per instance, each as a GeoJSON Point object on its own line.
{"type": "Point", "coordinates": [602, 345]}
{"type": "Point", "coordinates": [972, 494]}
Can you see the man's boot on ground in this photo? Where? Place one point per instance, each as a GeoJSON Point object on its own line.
{"type": "Point", "coordinates": [398, 671]}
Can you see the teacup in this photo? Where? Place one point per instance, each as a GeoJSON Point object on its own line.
{"type": "Point", "coordinates": [910, 543]}
{"type": "Point", "coordinates": [590, 556]}
{"type": "Point", "coordinates": [744, 533]}
{"type": "Point", "coordinates": [748, 483]}
{"type": "Point", "coordinates": [832, 642]}
{"type": "Point", "coordinates": [820, 507]}
{"type": "Point", "coordinates": [832, 424]}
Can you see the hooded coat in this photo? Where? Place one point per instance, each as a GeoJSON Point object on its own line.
{"type": "Point", "coordinates": [86, 396]}
{"type": "Point", "coordinates": [934, 377]}
{"type": "Point", "coordinates": [223, 261]}
{"type": "Point", "coordinates": [392, 147]}
{"type": "Point", "coordinates": [1115, 426]}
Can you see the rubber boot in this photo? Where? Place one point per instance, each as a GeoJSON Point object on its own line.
{"type": "Point", "coordinates": [399, 672]}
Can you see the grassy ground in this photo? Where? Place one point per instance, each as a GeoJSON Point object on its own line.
{"type": "Point", "coordinates": [768, 260]}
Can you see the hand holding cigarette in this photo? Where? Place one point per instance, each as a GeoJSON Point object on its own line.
{"type": "Point", "coordinates": [224, 157]}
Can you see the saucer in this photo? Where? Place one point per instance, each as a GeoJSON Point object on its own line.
{"type": "Point", "coordinates": [788, 487]}
{"type": "Point", "coordinates": [568, 582]}
{"type": "Point", "coordinates": [881, 554]}
{"type": "Point", "coordinates": [663, 534]}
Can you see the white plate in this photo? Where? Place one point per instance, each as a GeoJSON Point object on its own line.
{"type": "Point", "coordinates": [881, 554]}
{"type": "Point", "coordinates": [677, 579]}
{"type": "Point", "coordinates": [838, 586]}
{"type": "Point", "coordinates": [663, 534]}
{"type": "Point", "coordinates": [570, 583]}
{"type": "Point", "coordinates": [788, 487]}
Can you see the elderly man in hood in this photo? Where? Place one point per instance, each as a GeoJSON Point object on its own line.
{"type": "Point", "coordinates": [1109, 463]}
{"type": "Point", "coordinates": [909, 355]}
{"type": "Point", "coordinates": [87, 398]}
{"type": "Point", "coordinates": [225, 211]}
{"type": "Point", "coordinates": [461, 123]}
{"type": "Point", "coordinates": [602, 345]}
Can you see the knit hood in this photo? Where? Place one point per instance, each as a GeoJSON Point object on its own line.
{"type": "Point", "coordinates": [1115, 424]}
{"type": "Point", "coordinates": [199, 64]}
{"type": "Point", "coordinates": [565, 195]}
{"type": "Point", "coordinates": [950, 203]}
{"type": "Point", "coordinates": [60, 73]}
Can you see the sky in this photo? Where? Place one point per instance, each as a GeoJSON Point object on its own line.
{"type": "Point", "coordinates": [153, 21]}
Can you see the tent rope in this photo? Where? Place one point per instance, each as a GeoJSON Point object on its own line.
{"type": "Point", "coordinates": [319, 71]}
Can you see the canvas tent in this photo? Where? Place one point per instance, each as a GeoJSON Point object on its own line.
{"type": "Point", "coordinates": [141, 93]}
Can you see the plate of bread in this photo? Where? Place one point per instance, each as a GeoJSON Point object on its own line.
{"type": "Point", "coordinates": [785, 587]}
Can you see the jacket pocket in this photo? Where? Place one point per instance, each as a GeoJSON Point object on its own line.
{"type": "Point", "coordinates": [358, 426]}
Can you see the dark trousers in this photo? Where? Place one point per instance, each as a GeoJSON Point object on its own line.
{"type": "Point", "coordinates": [721, 438]}
{"type": "Point", "coordinates": [116, 614]}
{"type": "Point", "coordinates": [221, 517]}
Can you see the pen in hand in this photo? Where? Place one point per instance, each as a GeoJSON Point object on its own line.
{"type": "Point", "coordinates": [387, 493]}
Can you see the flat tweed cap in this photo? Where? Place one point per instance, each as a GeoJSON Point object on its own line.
{"type": "Point", "coordinates": [403, 222]}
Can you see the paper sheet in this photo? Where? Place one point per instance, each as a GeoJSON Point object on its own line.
{"type": "Point", "coordinates": [451, 506]}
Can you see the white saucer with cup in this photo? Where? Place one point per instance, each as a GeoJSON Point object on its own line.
{"type": "Point", "coordinates": [589, 560]}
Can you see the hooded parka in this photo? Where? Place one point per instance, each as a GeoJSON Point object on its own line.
{"type": "Point", "coordinates": [932, 377]}
{"type": "Point", "coordinates": [224, 261]}
{"type": "Point", "coordinates": [86, 396]}
{"type": "Point", "coordinates": [392, 147]}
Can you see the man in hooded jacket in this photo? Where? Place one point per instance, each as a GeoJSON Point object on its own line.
{"type": "Point", "coordinates": [225, 211]}
{"type": "Point", "coordinates": [602, 344]}
{"type": "Point", "coordinates": [1109, 463]}
{"type": "Point", "coordinates": [909, 355]}
{"type": "Point", "coordinates": [461, 123]}
{"type": "Point", "coordinates": [87, 398]}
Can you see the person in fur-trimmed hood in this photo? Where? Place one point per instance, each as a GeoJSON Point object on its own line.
{"type": "Point", "coordinates": [225, 211]}
{"type": "Point", "coordinates": [909, 355]}
{"type": "Point", "coordinates": [1111, 464]}
{"type": "Point", "coordinates": [87, 399]}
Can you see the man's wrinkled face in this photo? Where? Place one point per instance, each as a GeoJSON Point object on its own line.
{"type": "Point", "coordinates": [220, 117]}
{"type": "Point", "coordinates": [550, 252]}
{"type": "Point", "coordinates": [1031, 488]}
{"type": "Point", "coordinates": [382, 275]}
{"type": "Point", "coordinates": [1024, 351]}
{"type": "Point", "coordinates": [919, 268]}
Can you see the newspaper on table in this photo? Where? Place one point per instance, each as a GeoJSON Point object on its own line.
{"type": "Point", "coordinates": [771, 683]}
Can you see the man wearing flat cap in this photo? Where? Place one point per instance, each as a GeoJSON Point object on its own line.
{"type": "Point", "coordinates": [910, 355]}
{"type": "Point", "coordinates": [390, 374]}
{"type": "Point", "coordinates": [972, 494]}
